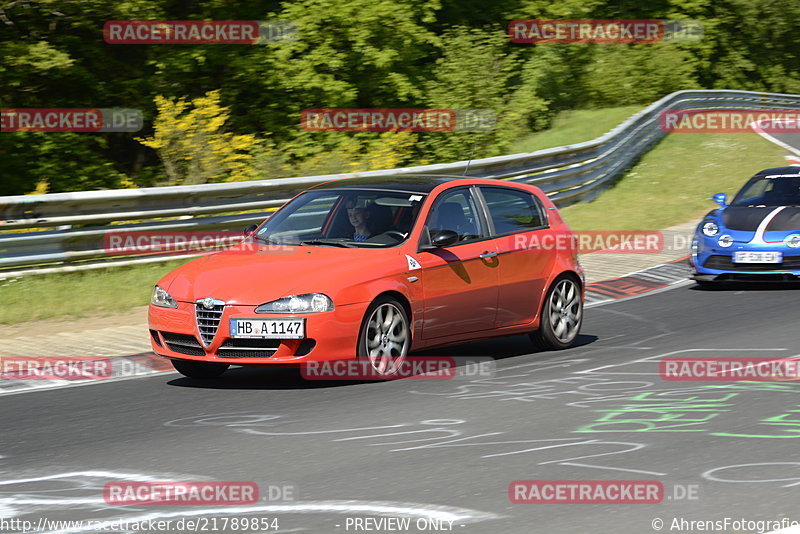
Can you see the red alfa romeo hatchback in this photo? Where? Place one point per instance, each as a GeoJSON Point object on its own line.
{"type": "Point", "coordinates": [355, 269]}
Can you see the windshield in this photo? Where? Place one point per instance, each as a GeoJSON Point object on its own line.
{"type": "Point", "coordinates": [344, 218]}
{"type": "Point", "coordinates": [770, 190]}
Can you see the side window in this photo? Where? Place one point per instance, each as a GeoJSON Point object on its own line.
{"type": "Point", "coordinates": [457, 211]}
{"type": "Point", "coordinates": [512, 210]}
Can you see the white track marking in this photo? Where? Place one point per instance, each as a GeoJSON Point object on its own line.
{"type": "Point", "coordinates": [760, 131]}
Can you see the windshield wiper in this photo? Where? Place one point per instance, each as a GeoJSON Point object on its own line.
{"type": "Point", "coordinates": [328, 243]}
{"type": "Point", "coordinates": [269, 241]}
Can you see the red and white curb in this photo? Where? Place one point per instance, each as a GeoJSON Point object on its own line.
{"type": "Point", "coordinates": [122, 368]}
{"type": "Point", "coordinates": [657, 278]}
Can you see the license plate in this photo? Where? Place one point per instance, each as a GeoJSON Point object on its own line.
{"type": "Point", "coordinates": [749, 256]}
{"type": "Point", "coordinates": [268, 328]}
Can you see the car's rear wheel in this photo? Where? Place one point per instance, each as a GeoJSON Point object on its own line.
{"type": "Point", "coordinates": [561, 316]}
{"type": "Point", "coordinates": [199, 369]}
{"type": "Point", "coordinates": [385, 336]}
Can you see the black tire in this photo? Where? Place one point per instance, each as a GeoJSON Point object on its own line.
{"type": "Point", "coordinates": [193, 369]}
{"type": "Point", "coordinates": [707, 285]}
{"type": "Point", "coordinates": [554, 310]}
{"type": "Point", "coordinates": [394, 342]}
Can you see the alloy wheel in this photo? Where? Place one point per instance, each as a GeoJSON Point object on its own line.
{"type": "Point", "coordinates": [387, 338]}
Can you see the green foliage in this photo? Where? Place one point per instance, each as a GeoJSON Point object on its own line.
{"type": "Point", "coordinates": [476, 71]}
{"type": "Point", "coordinates": [628, 74]}
{"type": "Point", "coordinates": [349, 53]}
{"type": "Point", "coordinates": [192, 144]}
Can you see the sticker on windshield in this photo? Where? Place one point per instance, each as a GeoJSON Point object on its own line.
{"type": "Point", "coordinates": [415, 198]}
{"type": "Point", "coordinates": [412, 263]}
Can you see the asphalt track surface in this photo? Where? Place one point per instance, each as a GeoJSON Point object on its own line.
{"type": "Point", "coordinates": [445, 449]}
{"type": "Point", "coordinates": [790, 138]}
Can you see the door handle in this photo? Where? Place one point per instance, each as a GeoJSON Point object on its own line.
{"type": "Point", "coordinates": [487, 255]}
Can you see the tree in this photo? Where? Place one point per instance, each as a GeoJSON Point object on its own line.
{"type": "Point", "coordinates": [192, 144]}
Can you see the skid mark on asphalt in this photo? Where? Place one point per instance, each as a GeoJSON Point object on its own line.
{"type": "Point", "coordinates": [432, 434]}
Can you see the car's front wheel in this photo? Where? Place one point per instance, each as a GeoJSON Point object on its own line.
{"type": "Point", "coordinates": [561, 315]}
{"type": "Point", "coordinates": [199, 369]}
{"type": "Point", "coordinates": [707, 285]}
{"type": "Point", "coordinates": [385, 336]}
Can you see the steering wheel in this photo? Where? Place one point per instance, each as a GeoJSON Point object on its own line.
{"type": "Point", "coordinates": [395, 233]}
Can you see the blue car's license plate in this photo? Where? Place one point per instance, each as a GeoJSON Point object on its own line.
{"type": "Point", "coordinates": [754, 256]}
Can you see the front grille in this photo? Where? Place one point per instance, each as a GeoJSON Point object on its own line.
{"type": "Point", "coordinates": [183, 343]}
{"type": "Point", "coordinates": [725, 263]}
{"type": "Point", "coordinates": [208, 320]}
{"type": "Point", "coordinates": [248, 348]}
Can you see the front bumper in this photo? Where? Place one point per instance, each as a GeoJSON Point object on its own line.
{"type": "Point", "coordinates": [719, 266]}
{"type": "Point", "coordinates": [329, 336]}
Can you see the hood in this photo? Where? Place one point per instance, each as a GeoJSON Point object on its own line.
{"type": "Point", "coordinates": [253, 277]}
{"type": "Point", "coordinates": [748, 219]}
{"type": "Point", "coordinates": [760, 224]}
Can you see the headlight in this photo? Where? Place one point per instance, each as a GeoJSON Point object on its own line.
{"type": "Point", "coordinates": [725, 241]}
{"type": "Point", "coordinates": [162, 298]}
{"type": "Point", "coordinates": [307, 303]}
{"type": "Point", "coordinates": [710, 228]}
{"type": "Point", "coordinates": [793, 240]}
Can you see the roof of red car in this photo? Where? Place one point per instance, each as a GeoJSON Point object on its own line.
{"type": "Point", "coordinates": [411, 183]}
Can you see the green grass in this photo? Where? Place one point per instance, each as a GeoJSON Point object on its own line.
{"type": "Point", "coordinates": [674, 182]}
{"type": "Point", "coordinates": [576, 126]}
{"type": "Point", "coordinates": [80, 294]}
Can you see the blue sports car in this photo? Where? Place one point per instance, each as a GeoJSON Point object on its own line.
{"type": "Point", "coordinates": [756, 236]}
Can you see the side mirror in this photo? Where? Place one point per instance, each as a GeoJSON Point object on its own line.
{"type": "Point", "coordinates": [721, 199]}
{"type": "Point", "coordinates": [250, 230]}
{"type": "Point", "coordinates": [443, 238]}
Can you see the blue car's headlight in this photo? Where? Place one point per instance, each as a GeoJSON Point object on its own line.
{"type": "Point", "coordinates": [725, 241]}
{"type": "Point", "coordinates": [162, 298]}
{"type": "Point", "coordinates": [792, 241]}
{"type": "Point", "coordinates": [306, 303]}
{"type": "Point", "coordinates": [710, 228]}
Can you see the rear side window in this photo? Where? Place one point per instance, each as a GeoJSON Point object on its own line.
{"type": "Point", "coordinates": [512, 210]}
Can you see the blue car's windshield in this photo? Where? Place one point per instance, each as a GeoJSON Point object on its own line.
{"type": "Point", "coordinates": [344, 218]}
{"type": "Point", "coordinates": [770, 190]}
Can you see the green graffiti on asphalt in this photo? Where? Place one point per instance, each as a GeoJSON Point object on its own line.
{"type": "Point", "coordinates": [698, 413]}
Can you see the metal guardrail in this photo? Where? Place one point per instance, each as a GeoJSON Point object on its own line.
{"type": "Point", "coordinates": [568, 174]}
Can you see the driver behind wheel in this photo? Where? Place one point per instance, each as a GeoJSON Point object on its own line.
{"type": "Point", "coordinates": [359, 216]}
